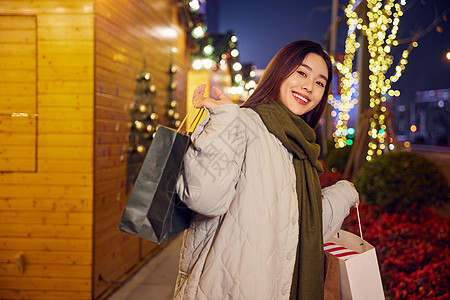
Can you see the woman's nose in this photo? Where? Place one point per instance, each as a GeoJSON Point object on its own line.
{"type": "Point", "coordinates": [307, 85]}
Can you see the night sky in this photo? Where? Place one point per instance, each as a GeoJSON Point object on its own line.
{"type": "Point", "coordinates": [263, 27]}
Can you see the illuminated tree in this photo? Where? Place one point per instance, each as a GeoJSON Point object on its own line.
{"type": "Point", "coordinates": [380, 28]}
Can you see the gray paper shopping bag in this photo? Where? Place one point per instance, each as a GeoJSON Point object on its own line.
{"type": "Point", "coordinates": [154, 211]}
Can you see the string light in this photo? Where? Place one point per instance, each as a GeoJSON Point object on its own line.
{"type": "Point", "coordinates": [380, 18]}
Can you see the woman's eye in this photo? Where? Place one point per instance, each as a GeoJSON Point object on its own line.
{"type": "Point", "coordinates": [301, 73]}
{"type": "Point", "coordinates": [320, 84]}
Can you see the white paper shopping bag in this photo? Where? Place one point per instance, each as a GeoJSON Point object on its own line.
{"type": "Point", "coordinates": [358, 267]}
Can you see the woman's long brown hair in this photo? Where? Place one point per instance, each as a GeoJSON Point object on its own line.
{"type": "Point", "coordinates": [284, 63]}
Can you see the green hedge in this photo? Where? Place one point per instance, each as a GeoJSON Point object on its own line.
{"type": "Point", "coordinates": [337, 158]}
{"type": "Point", "coordinates": [402, 181]}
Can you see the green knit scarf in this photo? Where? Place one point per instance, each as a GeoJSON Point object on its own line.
{"type": "Point", "coordinates": [298, 137]}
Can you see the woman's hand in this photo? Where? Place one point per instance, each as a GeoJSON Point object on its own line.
{"type": "Point", "coordinates": [351, 183]}
{"type": "Point", "coordinates": [199, 101]}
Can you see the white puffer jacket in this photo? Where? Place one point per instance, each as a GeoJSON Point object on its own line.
{"type": "Point", "coordinates": [240, 180]}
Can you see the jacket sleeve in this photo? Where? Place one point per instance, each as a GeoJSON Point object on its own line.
{"type": "Point", "coordinates": [213, 162]}
{"type": "Point", "coordinates": [336, 202]}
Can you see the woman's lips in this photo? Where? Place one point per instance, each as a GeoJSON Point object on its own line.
{"type": "Point", "coordinates": [302, 99]}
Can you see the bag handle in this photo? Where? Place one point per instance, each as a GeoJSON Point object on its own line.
{"type": "Point", "coordinates": [188, 114]}
{"type": "Point", "coordinates": [359, 221]}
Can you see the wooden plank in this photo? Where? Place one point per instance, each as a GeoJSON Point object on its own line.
{"type": "Point", "coordinates": [18, 76]}
{"type": "Point", "coordinates": [13, 125]}
{"type": "Point", "coordinates": [22, 62]}
{"type": "Point", "coordinates": [17, 102]}
{"type": "Point", "coordinates": [59, 192]}
{"type": "Point", "coordinates": [65, 165]}
{"type": "Point", "coordinates": [64, 140]}
{"type": "Point", "coordinates": [66, 47]}
{"type": "Point", "coordinates": [48, 152]}
{"type": "Point", "coordinates": [74, 152]}
{"type": "Point", "coordinates": [63, 7]}
{"type": "Point", "coordinates": [17, 88]}
{"type": "Point", "coordinates": [48, 257]}
{"type": "Point", "coordinates": [54, 218]}
{"type": "Point", "coordinates": [65, 100]}
{"type": "Point", "coordinates": [19, 36]}
{"type": "Point", "coordinates": [17, 138]}
{"type": "Point", "coordinates": [47, 178]}
{"type": "Point", "coordinates": [11, 49]}
{"type": "Point", "coordinates": [46, 204]}
{"type": "Point", "coordinates": [65, 87]}
{"type": "Point", "coordinates": [44, 295]}
{"type": "Point", "coordinates": [75, 74]}
{"type": "Point", "coordinates": [66, 33]}
{"type": "Point", "coordinates": [46, 231]}
{"type": "Point", "coordinates": [66, 20]}
{"type": "Point", "coordinates": [46, 270]}
{"type": "Point", "coordinates": [47, 244]}
{"type": "Point", "coordinates": [17, 164]}
{"type": "Point", "coordinates": [58, 126]}
{"type": "Point", "coordinates": [62, 60]}
{"type": "Point", "coordinates": [17, 22]}
{"type": "Point", "coordinates": [41, 283]}
{"type": "Point", "coordinates": [66, 114]}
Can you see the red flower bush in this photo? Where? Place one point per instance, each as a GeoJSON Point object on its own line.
{"type": "Point", "coordinates": [413, 250]}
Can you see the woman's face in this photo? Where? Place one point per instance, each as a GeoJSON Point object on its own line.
{"type": "Point", "coordinates": [303, 89]}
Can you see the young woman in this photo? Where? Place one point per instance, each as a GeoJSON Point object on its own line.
{"type": "Point", "coordinates": [252, 177]}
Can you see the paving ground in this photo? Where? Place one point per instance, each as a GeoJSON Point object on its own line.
{"type": "Point", "coordinates": [156, 279]}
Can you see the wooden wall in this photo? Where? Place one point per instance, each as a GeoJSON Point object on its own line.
{"type": "Point", "coordinates": [69, 72]}
{"type": "Point", "coordinates": [46, 187]}
{"type": "Point", "coordinates": [127, 33]}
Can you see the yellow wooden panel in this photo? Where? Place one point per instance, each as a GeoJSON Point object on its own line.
{"type": "Point", "coordinates": [74, 152]}
{"type": "Point", "coordinates": [45, 295]}
{"type": "Point", "coordinates": [46, 257]}
{"type": "Point", "coordinates": [72, 20]}
{"type": "Point", "coordinates": [12, 88]}
{"type": "Point", "coordinates": [63, 140]}
{"type": "Point", "coordinates": [46, 231]}
{"type": "Point", "coordinates": [56, 218]}
{"type": "Point", "coordinates": [66, 47]}
{"type": "Point", "coordinates": [65, 165]}
{"type": "Point", "coordinates": [17, 139]}
{"type": "Point", "coordinates": [19, 62]}
{"type": "Point", "coordinates": [17, 122]}
{"type": "Point", "coordinates": [65, 87]}
{"type": "Point", "coordinates": [21, 164]}
{"type": "Point", "coordinates": [46, 7]}
{"type": "Point", "coordinates": [17, 49]}
{"type": "Point", "coordinates": [46, 270]}
{"type": "Point", "coordinates": [47, 191]}
{"type": "Point", "coordinates": [66, 114]}
{"type": "Point", "coordinates": [62, 126]}
{"type": "Point", "coordinates": [65, 100]}
{"type": "Point", "coordinates": [76, 74]}
{"type": "Point", "coordinates": [14, 76]}
{"type": "Point", "coordinates": [66, 33]}
{"type": "Point", "coordinates": [65, 60]}
{"type": "Point", "coordinates": [26, 36]}
{"type": "Point", "coordinates": [47, 244]}
{"type": "Point", "coordinates": [44, 203]}
{"type": "Point", "coordinates": [49, 178]}
{"type": "Point", "coordinates": [8, 103]}
{"type": "Point", "coordinates": [40, 283]}
{"type": "Point", "coordinates": [17, 22]}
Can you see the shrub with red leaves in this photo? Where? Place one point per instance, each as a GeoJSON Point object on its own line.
{"type": "Point", "coordinates": [413, 250]}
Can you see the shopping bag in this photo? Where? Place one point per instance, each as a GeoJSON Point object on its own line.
{"type": "Point", "coordinates": [331, 284]}
{"type": "Point", "coordinates": [359, 274]}
{"type": "Point", "coordinates": [154, 211]}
